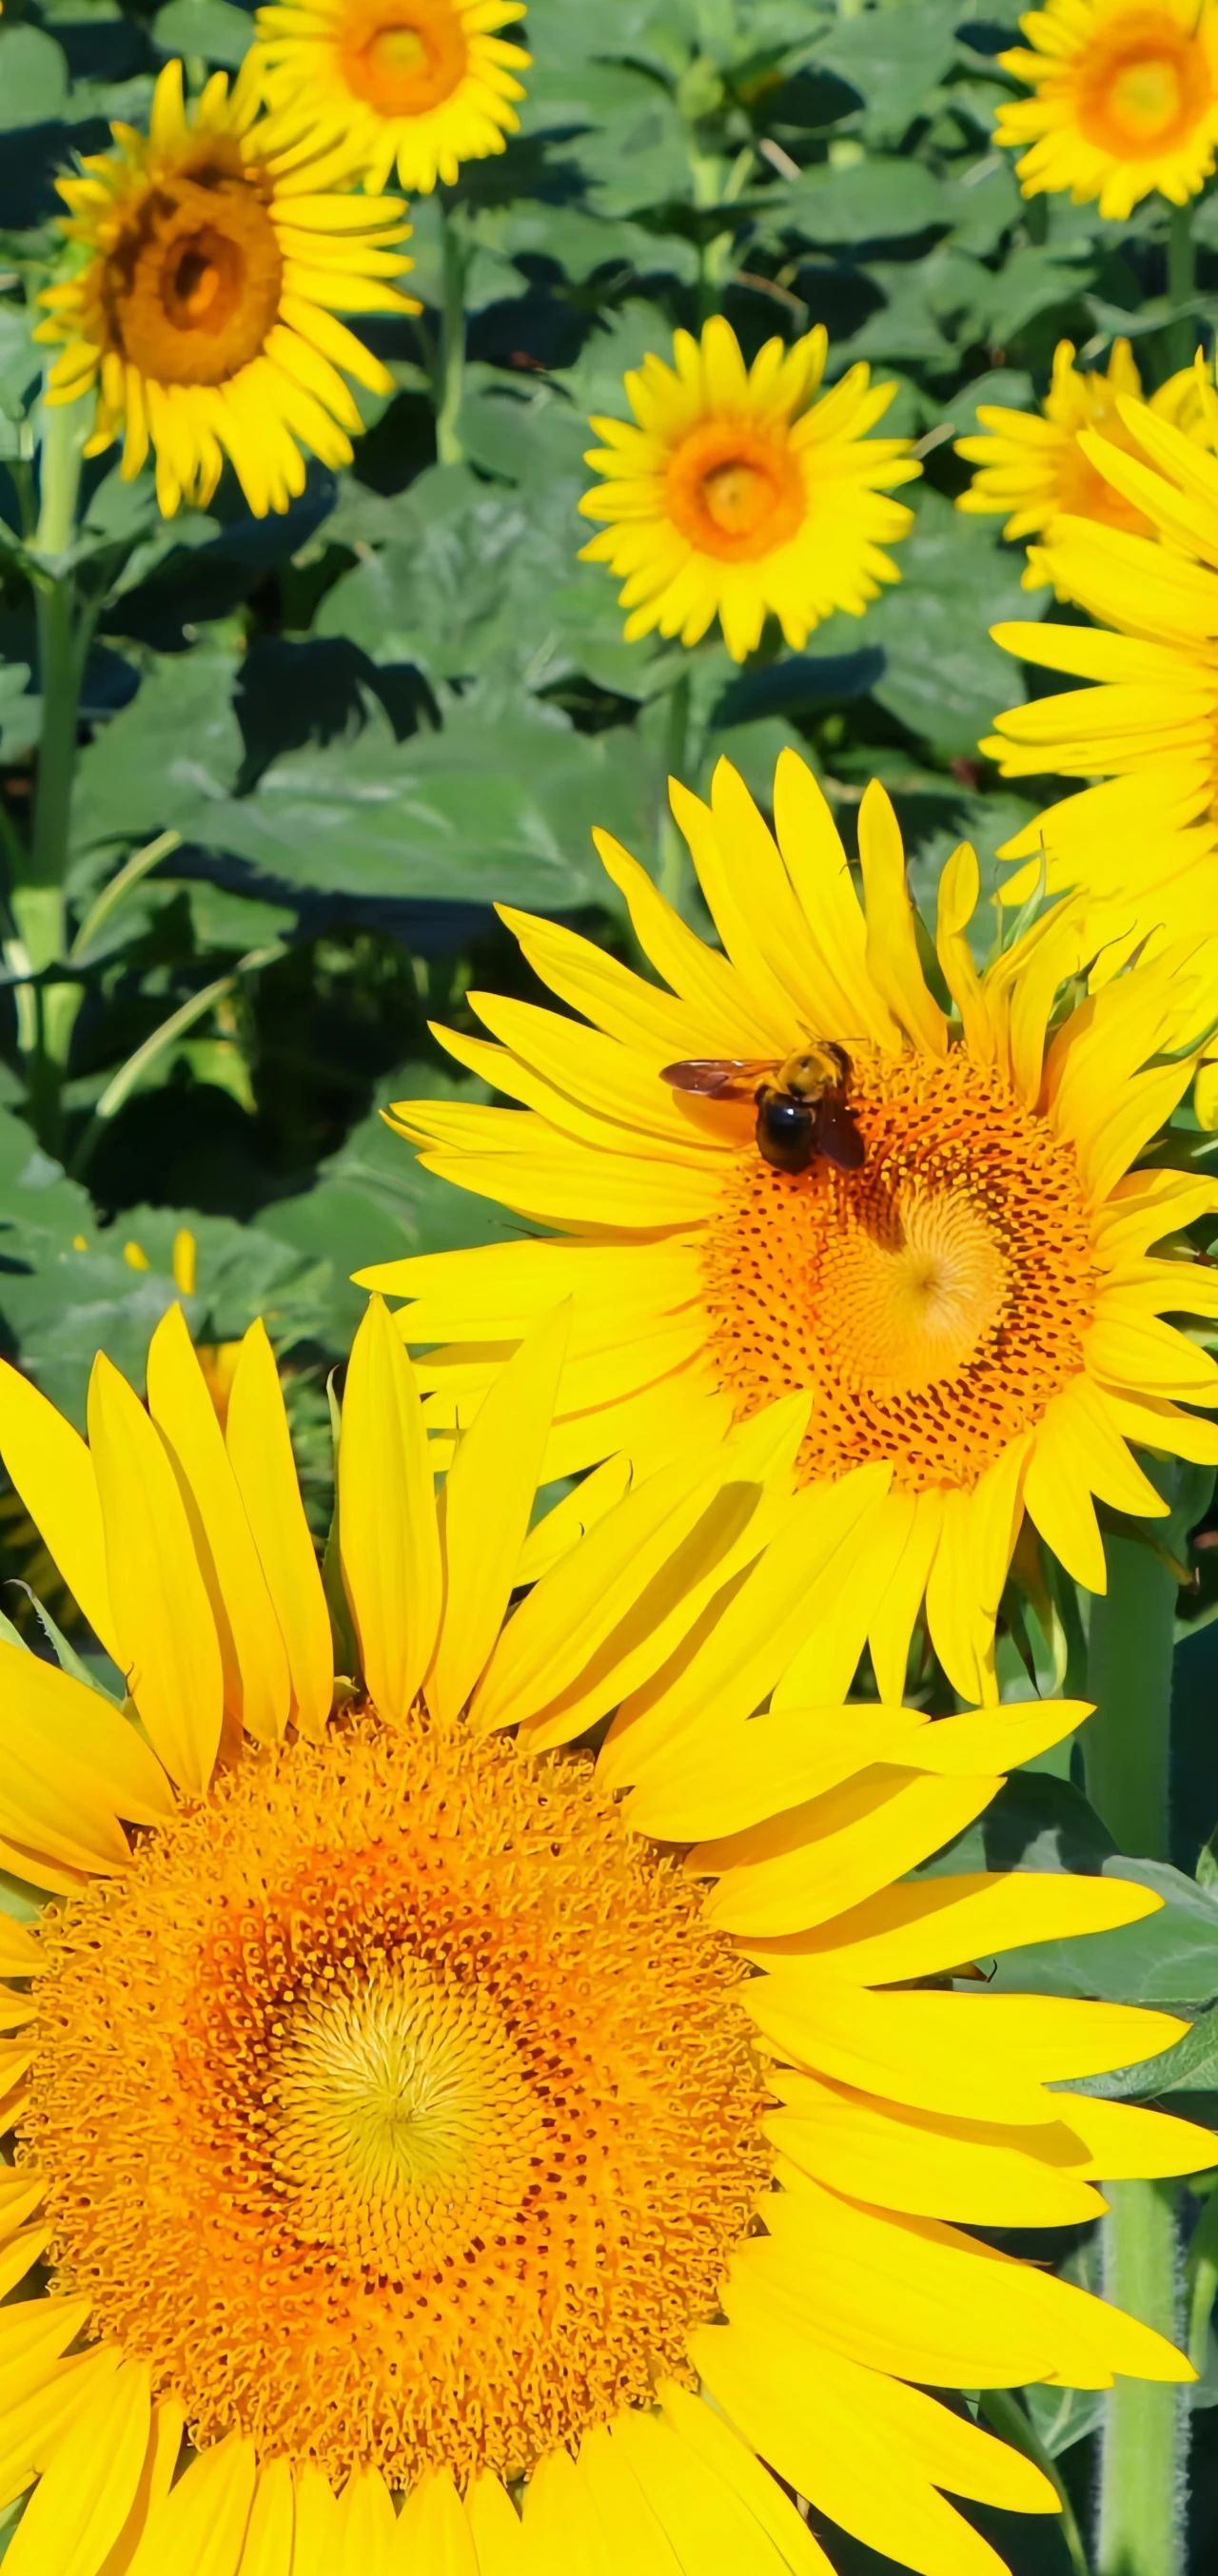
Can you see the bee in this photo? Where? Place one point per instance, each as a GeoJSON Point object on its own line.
{"type": "Point", "coordinates": [802, 1104]}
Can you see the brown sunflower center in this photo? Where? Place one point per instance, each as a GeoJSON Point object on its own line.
{"type": "Point", "coordinates": [735, 490]}
{"type": "Point", "coordinates": [397, 2107]}
{"type": "Point", "coordinates": [402, 56]}
{"type": "Point", "coordinates": [936, 1299]}
{"type": "Point", "coordinates": [190, 288]}
{"type": "Point", "coordinates": [1144, 83]}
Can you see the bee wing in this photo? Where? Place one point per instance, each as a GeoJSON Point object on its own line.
{"type": "Point", "coordinates": [718, 1077]}
{"type": "Point", "coordinates": [837, 1137]}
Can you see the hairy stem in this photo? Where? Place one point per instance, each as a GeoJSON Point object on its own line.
{"type": "Point", "coordinates": [1181, 284]}
{"type": "Point", "coordinates": [1143, 2465]}
{"type": "Point", "coordinates": [450, 360]}
{"type": "Point", "coordinates": [45, 1023]}
{"type": "Point", "coordinates": [671, 871]}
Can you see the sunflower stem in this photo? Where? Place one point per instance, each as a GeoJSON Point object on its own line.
{"type": "Point", "coordinates": [1143, 2467]}
{"type": "Point", "coordinates": [1143, 2464]}
{"type": "Point", "coordinates": [48, 1013]}
{"type": "Point", "coordinates": [450, 355]}
{"type": "Point", "coordinates": [671, 871]}
{"type": "Point", "coordinates": [1129, 1674]}
{"type": "Point", "coordinates": [1181, 285]}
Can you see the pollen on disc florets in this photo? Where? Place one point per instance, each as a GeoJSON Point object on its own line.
{"type": "Point", "coordinates": [397, 2106]}
{"type": "Point", "coordinates": [937, 1298]}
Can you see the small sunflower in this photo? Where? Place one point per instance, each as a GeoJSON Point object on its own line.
{"type": "Point", "coordinates": [416, 86]}
{"type": "Point", "coordinates": [204, 317]}
{"type": "Point", "coordinates": [735, 494]}
{"type": "Point", "coordinates": [1141, 844]}
{"type": "Point", "coordinates": [1033, 465]}
{"type": "Point", "coordinates": [413, 2112]}
{"type": "Point", "coordinates": [975, 1309]}
{"type": "Point", "coordinates": [1125, 100]}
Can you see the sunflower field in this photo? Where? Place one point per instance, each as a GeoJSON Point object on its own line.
{"type": "Point", "coordinates": [608, 1288]}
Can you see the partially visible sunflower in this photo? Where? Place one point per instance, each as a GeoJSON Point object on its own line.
{"type": "Point", "coordinates": [217, 1360]}
{"type": "Point", "coordinates": [401, 2108]}
{"type": "Point", "coordinates": [1142, 843]}
{"type": "Point", "coordinates": [1125, 100]}
{"type": "Point", "coordinates": [416, 86]}
{"type": "Point", "coordinates": [735, 494]}
{"type": "Point", "coordinates": [1033, 465]}
{"type": "Point", "coordinates": [977, 1310]}
{"type": "Point", "coordinates": [204, 315]}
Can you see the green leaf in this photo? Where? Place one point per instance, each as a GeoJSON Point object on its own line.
{"type": "Point", "coordinates": [33, 78]}
{"type": "Point", "coordinates": [213, 29]}
{"type": "Point", "coordinates": [871, 200]}
{"type": "Point", "coordinates": [894, 57]}
{"type": "Point", "coordinates": [943, 678]}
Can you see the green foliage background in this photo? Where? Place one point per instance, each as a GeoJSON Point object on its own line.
{"type": "Point", "coordinates": [371, 720]}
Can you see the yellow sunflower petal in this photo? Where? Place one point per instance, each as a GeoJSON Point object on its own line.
{"type": "Point", "coordinates": [54, 1475]}
{"type": "Point", "coordinates": [388, 1538]}
{"type": "Point", "coordinates": [260, 1450]}
{"type": "Point", "coordinates": [171, 1654]}
{"type": "Point", "coordinates": [257, 1681]}
{"type": "Point", "coordinates": [83, 2499]}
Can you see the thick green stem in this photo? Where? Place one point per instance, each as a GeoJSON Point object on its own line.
{"type": "Point", "coordinates": [671, 871]}
{"type": "Point", "coordinates": [450, 362]}
{"type": "Point", "coordinates": [1126, 1746]}
{"type": "Point", "coordinates": [46, 1022]}
{"type": "Point", "coordinates": [1144, 2456]}
{"type": "Point", "coordinates": [1181, 284]}
{"type": "Point", "coordinates": [1129, 1670]}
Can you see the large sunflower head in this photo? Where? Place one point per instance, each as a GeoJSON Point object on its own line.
{"type": "Point", "coordinates": [204, 315]}
{"type": "Point", "coordinates": [416, 86]}
{"type": "Point", "coordinates": [966, 1287]}
{"type": "Point", "coordinates": [1035, 466]}
{"type": "Point", "coordinates": [1141, 842]}
{"type": "Point", "coordinates": [425, 2119]}
{"type": "Point", "coordinates": [1124, 100]}
{"type": "Point", "coordinates": [734, 493]}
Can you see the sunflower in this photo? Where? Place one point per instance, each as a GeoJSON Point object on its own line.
{"type": "Point", "coordinates": [1141, 843]}
{"type": "Point", "coordinates": [733, 493]}
{"type": "Point", "coordinates": [1032, 464]}
{"type": "Point", "coordinates": [405, 2103]}
{"type": "Point", "coordinates": [414, 85]}
{"type": "Point", "coordinates": [1125, 100]}
{"type": "Point", "coordinates": [205, 314]}
{"type": "Point", "coordinates": [976, 1308]}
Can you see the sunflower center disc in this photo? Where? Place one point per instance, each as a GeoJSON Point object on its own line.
{"type": "Point", "coordinates": [1143, 91]}
{"type": "Point", "coordinates": [403, 56]}
{"type": "Point", "coordinates": [734, 490]}
{"type": "Point", "coordinates": [936, 1299]}
{"type": "Point", "coordinates": [396, 2107]}
{"type": "Point", "coordinates": [191, 287]}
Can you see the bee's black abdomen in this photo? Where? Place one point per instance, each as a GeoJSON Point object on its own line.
{"type": "Point", "coordinates": [786, 1134]}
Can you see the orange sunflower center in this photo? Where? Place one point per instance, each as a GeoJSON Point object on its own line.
{"type": "Point", "coordinates": [397, 2106]}
{"type": "Point", "coordinates": [1143, 84]}
{"type": "Point", "coordinates": [402, 56]}
{"type": "Point", "coordinates": [936, 1299]}
{"type": "Point", "coordinates": [735, 489]}
{"type": "Point", "coordinates": [190, 287]}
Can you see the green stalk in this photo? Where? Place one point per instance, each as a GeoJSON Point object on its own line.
{"type": "Point", "coordinates": [1129, 1670]}
{"type": "Point", "coordinates": [1181, 285]}
{"type": "Point", "coordinates": [450, 360]}
{"type": "Point", "coordinates": [670, 875]}
{"type": "Point", "coordinates": [1143, 2466]}
{"type": "Point", "coordinates": [46, 1022]}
